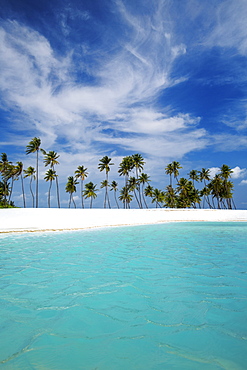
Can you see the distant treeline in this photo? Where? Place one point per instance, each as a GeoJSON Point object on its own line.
{"type": "Point", "coordinates": [216, 192]}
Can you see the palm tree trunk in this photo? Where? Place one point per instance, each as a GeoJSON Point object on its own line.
{"type": "Point", "coordinates": [139, 189]}
{"type": "Point", "coordinates": [137, 199]}
{"type": "Point", "coordinates": [91, 202]}
{"type": "Point", "coordinates": [23, 193]}
{"type": "Point", "coordinates": [218, 201]}
{"type": "Point", "coordinates": [70, 199]}
{"type": "Point", "coordinates": [73, 201]}
{"type": "Point", "coordinates": [37, 179]}
{"type": "Point", "coordinates": [213, 202]}
{"type": "Point", "coordinates": [5, 191]}
{"type": "Point", "coordinates": [31, 190]}
{"type": "Point", "coordinates": [58, 198]}
{"type": "Point", "coordinates": [109, 205]}
{"type": "Point", "coordinates": [106, 192]}
{"type": "Point", "coordinates": [115, 195]}
{"type": "Point", "coordinates": [11, 189]}
{"type": "Point", "coordinates": [49, 196]}
{"type": "Point", "coordinates": [144, 197]}
{"type": "Point", "coordinates": [223, 203]}
{"type": "Point", "coordinates": [140, 197]}
{"type": "Point", "coordinates": [206, 196]}
{"type": "Point", "coordinates": [208, 202]}
{"type": "Point", "coordinates": [82, 204]}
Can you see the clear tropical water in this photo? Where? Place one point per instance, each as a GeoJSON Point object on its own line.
{"type": "Point", "coordinates": [170, 296]}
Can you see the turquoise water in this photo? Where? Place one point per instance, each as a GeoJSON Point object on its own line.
{"type": "Point", "coordinates": [170, 296]}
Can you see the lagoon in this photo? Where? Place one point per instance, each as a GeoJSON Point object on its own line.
{"type": "Point", "coordinates": [143, 297]}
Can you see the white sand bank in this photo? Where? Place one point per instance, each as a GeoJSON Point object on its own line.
{"type": "Point", "coordinates": [29, 219]}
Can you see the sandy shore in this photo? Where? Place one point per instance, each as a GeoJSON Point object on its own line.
{"type": "Point", "coordinates": [29, 219]}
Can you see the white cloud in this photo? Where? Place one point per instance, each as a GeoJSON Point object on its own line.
{"type": "Point", "coordinates": [161, 146]}
{"type": "Point", "coordinates": [238, 172]}
{"type": "Point", "coordinates": [40, 85]}
{"type": "Point", "coordinates": [52, 197]}
{"type": "Point", "coordinates": [243, 182]}
{"type": "Point", "coordinates": [228, 142]}
{"type": "Point", "coordinates": [230, 31]}
{"type": "Point", "coordinates": [116, 110]}
{"type": "Point", "coordinates": [152, 122]}
{"type": "Point", "coordinates": [214, 171]}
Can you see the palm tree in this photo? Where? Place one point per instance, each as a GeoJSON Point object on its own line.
{"type": "Point", "coordinates": [132, 185]}
{"type": "Point", "coordinates": [4, 192]}
{"type": "Point", "coordinates": [125, 167]}
{"type": "Point", "coordinates": [176, 166]}
{"type": "Point", "coordinates": [50, 175]}
{"type": "Point", "coordinates": [4, 163]}
{"type": "Point", "coordinates": [90, 192]}
{"type": "Point", "coordinates": [1, 191]}
{"type": "Point", "coordinates": [11, 174]}
{"type": "Point", "coordinates": [158, 197]}
{"type": "Point", "coordinates": [144, 179]}
{"type": "Point", "coordinates": [81, 173]}
{"type": "Point", "coordinates": [228, 186]}
{"type": "Point", "coordinates": [148, 191]}
{"type": "Point", "coordinates": [104, 184]}
{"type": "Point", "coordinates": [19, 169]}
{"type": "Point", "coordinates": [114, 185]}
{"type": "Point", "coordinates": [105, 164]}
{"type": "Point", "coordinates": [215, 187]}
{"type": "Point", "coordinates": [170, 197]}
{"type": "Point", "coordinates": [194, 176]}
{"type": "Point", "coordinates": [193, 195]}
{"type": "Point", "coordinates": [225, 173]}
{"type": "Point", "coordinates": [125, 197]}
{"type": "Point", "coordinates": [71, 188]}
{"type": "Point", "coordinates": [204, 175]}
{"type": "Point", "coordinates": [138, 163]}
{"type": "Point", "coordinates": [205, 192]}
{"type": "Point", "coordinates": [185, 188]}
{"type": "Point", "coordinates": [169, 171]}
{"type": "Point", "coordinates": [34, 147]}
{"type": "Point", "coordinates": [30, 172]}
{"type": "Point", "coordinates": [50, 158]}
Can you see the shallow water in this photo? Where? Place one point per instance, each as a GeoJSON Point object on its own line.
{"type": "Point", "coordinates": [170, 296]}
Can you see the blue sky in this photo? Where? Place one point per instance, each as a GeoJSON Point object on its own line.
{"type": "Point", "coordinates": [166, 79]}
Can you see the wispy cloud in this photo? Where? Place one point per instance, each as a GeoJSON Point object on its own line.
{"type": "Point", "coordinates": [227, 142]}
{"type": "Point", "coordinates": [41, 87]}
{"type": "Point", "coordinates": [116, 109]}
{"type": "Point", "coordinates": [230, 30]}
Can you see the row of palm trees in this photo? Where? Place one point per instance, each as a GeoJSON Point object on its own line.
{"type": "Point", "coordinates": [216, 192]}
{"type": "Point", "coordinates": [180, 193]}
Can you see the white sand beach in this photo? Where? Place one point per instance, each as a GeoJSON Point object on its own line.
{"type": "Point", "coordinates": [41, 219]}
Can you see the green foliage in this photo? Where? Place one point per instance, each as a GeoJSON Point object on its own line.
{"type": "Point", "coordinates": [7, 205]}
{"type": "Point", "coordinates": [216, 192]}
